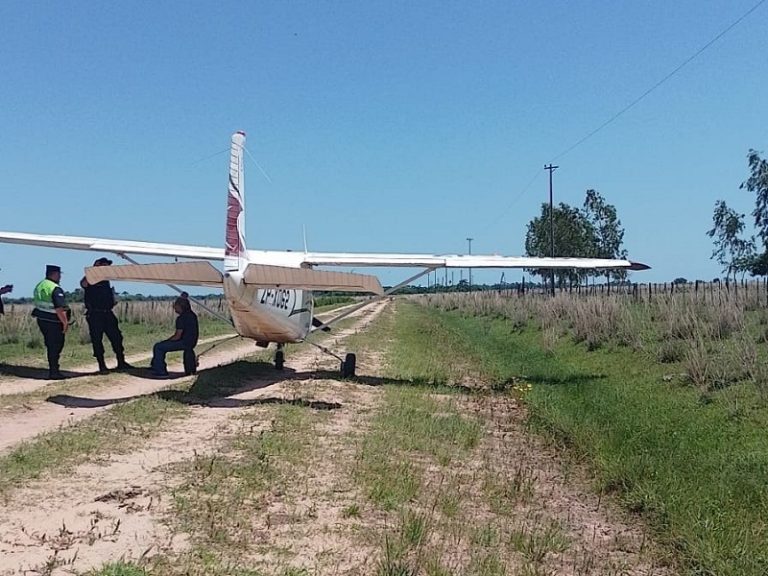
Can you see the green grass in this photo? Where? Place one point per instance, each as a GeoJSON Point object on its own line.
{"type": "Point", "coordinates": [114, 431]}
{"type": "Point", "coordinates": [222, 493]}
{"type": "Point", "coordinates": [410, 422]}
{"type": "Point", "coordinates": [695, 471]}
{"type": "Point", "coordinates": [118, 569]}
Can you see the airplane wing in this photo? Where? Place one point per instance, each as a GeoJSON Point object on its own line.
{"type": "Point", "coordinates": [297, 259]}
{"type": "Point", "coordinates": [186, 273]}
{"type": "Point", "coordinates": [463, 261]}
{"type": "Point", "coordinates": [306, 278]}
{"type": "Point", "coordinates": [112, 246]}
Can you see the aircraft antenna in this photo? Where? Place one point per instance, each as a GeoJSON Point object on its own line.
{"type": "Point", "coordinates": [258, 165]}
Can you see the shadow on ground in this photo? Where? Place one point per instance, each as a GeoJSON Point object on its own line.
{"type": "Point", "coordinates": [20, 371]}
{"type": "Point", "coordinates": [218, 387]}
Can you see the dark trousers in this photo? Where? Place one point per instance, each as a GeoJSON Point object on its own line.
{"type": "Point", "coordinates": [160, 349]}
{"type": "Point", "coordinates": [101, 323]}
{"type": "Point", "coordinates": [53, 336]}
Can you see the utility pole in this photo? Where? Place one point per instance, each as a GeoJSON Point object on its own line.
{"type": "Point", "coordinates": [551, 169]}
{"type": "Point", "coordinates": [469, 240]}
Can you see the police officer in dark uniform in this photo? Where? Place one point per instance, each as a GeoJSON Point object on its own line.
{"type": "Point", "coordinates": [53, 317]}
{"type": "Point", "coordinates": [99, 301]}
{"type": "Point", "coordinates": [7, 289]}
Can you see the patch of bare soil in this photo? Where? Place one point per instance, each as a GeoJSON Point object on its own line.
{"type": "Point", "coordinates": [111, 510]}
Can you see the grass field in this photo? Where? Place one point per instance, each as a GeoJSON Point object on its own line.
{"type": "Point", "coordinates": [483, 437]}
{"type": "Point", "coordinates": [665, 401]}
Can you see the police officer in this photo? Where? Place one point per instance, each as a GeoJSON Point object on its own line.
{"type": "Point", "coordinates": [99, 301]}
{"type": "Point", "coordinates": [53, 316]}
{"type": "Point", "coordinates": [8, 288]}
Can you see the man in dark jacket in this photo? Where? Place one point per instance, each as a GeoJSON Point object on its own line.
{"type": "Point", "coordinates": [99, 301]}
{"type": "Point", "coordinates": [4, 290]}
{"type": "Point", "coordinates": [184, 338]}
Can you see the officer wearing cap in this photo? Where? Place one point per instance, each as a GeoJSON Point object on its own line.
{"type": "Point", "coordinates": [99, 300]}
{"type": "Point", "coordinates": [4, 290]}
{"type": "Point", "coordinates": [53, 316]}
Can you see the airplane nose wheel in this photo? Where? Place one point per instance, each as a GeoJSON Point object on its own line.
{"type": "Point", "coordinates": [348, 366]}
{"type": "Point", "coordinates": [279, 357]}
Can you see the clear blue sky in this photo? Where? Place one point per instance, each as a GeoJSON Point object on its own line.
{"type": "Point", "coordinates": [388, 126]}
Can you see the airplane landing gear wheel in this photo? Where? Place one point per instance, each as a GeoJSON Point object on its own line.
{"type": "Point", "coordinates": [279, 359]}
{"type": "Point", "coordinates": [348, 366]}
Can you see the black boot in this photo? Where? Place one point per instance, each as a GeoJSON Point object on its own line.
{"type": "Point", "coordinates": [102, 365]}
{"type": "Point", "coordinates": [122, 364]}
{"type": "Point", "coordinates": [55, 374]}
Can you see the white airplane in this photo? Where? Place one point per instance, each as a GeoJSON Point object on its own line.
{"type": "Point", "coordinates": [269, 293]}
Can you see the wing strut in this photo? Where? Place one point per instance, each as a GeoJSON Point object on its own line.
{"type": "Point", "coordinates": [180, 291]}
{"type": "Point", "coordinates": [372, 300]}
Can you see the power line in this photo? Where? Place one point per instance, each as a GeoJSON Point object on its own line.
{"type": "Point", "coordinates": [515, 200]}
{"type": "Point", "coordinates": [633, 103]}
{"type": "Point", "coordinates": [660, 82]}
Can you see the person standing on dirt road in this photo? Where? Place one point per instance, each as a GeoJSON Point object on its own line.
{"type": "Point", "coordinates": [53, 315]}
{"type": "Point", "coordinates": [99, 301]}
{"type": "Point", "coordinates": [4, 290]}
{"type": "Point", "coordinates": [185, 339]}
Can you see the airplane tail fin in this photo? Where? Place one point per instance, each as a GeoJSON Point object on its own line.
{"type": "Point", "coordinates": [235, 252]}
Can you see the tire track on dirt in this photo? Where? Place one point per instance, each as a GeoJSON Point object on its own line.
{"type": "Point", "coordinates": [111, 510]}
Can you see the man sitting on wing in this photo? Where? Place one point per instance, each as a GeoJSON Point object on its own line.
{"type": "Point", "coordinates": [185, 338]}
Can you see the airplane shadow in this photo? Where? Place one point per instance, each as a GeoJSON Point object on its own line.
{"type": "Point", "coordinates": [216, 387]}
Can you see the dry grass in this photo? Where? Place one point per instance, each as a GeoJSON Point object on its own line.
{"type": "Point", "coordinates": [709, 338]}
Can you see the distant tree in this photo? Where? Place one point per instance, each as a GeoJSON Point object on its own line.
{"type": "Point", "coordinates": [758, 264]}
{"type": "Point", "coordinates": [680, 281]}
{"type": "Point", "coordinates": [733, 253]}
{"type": "Point", "coordinates": [574, 236]}
{"type": "Point", "coordinates": [758, 184]}
{"type": "Point", "coordinates": [608, 234]}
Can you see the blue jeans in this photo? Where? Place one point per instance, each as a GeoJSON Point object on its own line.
{"type": "Point", "coordinates": [159, 351]}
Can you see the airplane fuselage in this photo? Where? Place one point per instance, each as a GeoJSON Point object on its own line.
{"type": "Point", "coordinates": [268, 315]}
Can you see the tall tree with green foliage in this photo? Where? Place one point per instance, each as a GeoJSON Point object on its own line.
{"type": "Point", "coordinates": [758, 184]}
{"type": "Point", "coordinates": [734, 253]}
{"type": "Point", "coordinates": [574, 236]}
{"type": "Point", "coordinates": [607, 230]}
